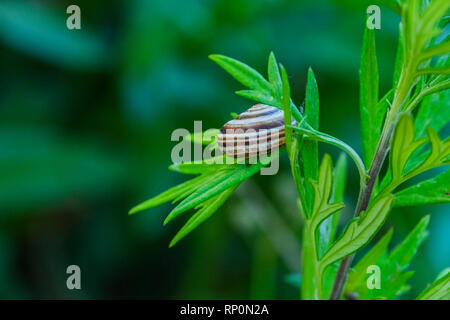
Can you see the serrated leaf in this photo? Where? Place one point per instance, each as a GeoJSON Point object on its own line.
{"type": "Point", "coordinates": [310, 154]}
{"type": "Point", "coordinates": [434, 190]}
{"type": "Point", "coordinates": [208, 208]}
{"type": "Point", "coordinates": [274, 75]}
{"type": "Point", "coordinates": [434, 112]}
{"type": "Point", "coordinates": [221, 182]}
{"type": "Point", "coordinates": [438, 155]}
{"type": "Point", "coordinates": [370, 129]}
{"type": "Point", "coordinates": [322, 208]}
{"type": "Point", "coordinates": [357, 279]}
{"type": "Point", "coordinates": [392, 265]}
{"type": "Point", "coordinates": [171, 194]}
{"type": "Point", "coordinates": [403, 145]}
{"type": "Point", "coordinates": [438, 290]}
{"type": "Point", "coordinates": [401, 256]}
{"type": "Point", "coordinates": [406, 158]}
{"type": "Point", "coordinates": [246, 75]}
{"type": "Point", "coordinates": [359, 231]}
{"type": "Point", "coordinates": [314, 243]}
{"type": "Point", "coordinates": [394, 288]}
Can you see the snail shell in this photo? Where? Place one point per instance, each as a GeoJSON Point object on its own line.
{"type": "Point", "coordinates": [257, 131]}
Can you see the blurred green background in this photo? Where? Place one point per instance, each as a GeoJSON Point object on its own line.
{"type": "Point", "coordinates": [85, 123]}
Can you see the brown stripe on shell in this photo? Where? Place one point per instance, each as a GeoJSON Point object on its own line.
{"type": "Point", "coordinates": [259, 129]}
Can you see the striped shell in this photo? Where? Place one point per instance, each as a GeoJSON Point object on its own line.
{"type": "Point", "coordinates": [257, 131]}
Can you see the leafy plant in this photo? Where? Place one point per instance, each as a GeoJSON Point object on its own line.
{"type": "Point", "coordinates": [402, 126]}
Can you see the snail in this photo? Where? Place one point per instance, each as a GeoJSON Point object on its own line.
{"type": "Point", "coordinates": [255, 132]}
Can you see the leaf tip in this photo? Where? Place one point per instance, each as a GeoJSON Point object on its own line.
{"type": "Point", "coordinates": [214, 57]}
{"type": "Point", "coordinates": [134, 210]}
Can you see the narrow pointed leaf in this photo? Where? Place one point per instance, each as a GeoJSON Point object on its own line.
{"type": "Point", "coordinates": [206, 211]}
{"type": "Point", "coordinates": [370, 129]}
{"type": "Point", "coordinates": [401, 256]}
{"type": "Point", "coordinates": [260, 97]}
{"type": "Point", "coordinates": [171, 194]}
{"type": "Point", "coordinates": [310, 154]}
{"type": "Point", "coordinates": [403, 145]}
{"type": "Point", "coordinates": [431, 191]}
{"type": "Point", "coordinates": [274, 75]}
{"type": "Point", "coordinates": [339, 183]}
{"type": "Point", "coordinates": [434, 112]}
{"type": "Point", "coordinates": [438, 290]}
{"type": "Point", "coordinates": [224, 181]}
{"type": "Point", "coordinates": [246, 75]}
{"type": "Point", "coordinates": [357, 279]}
{"type": "Point", "coordinates": [359, 232]}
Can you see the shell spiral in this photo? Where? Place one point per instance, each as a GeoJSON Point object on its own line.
{"type": "Point", "coordinates": [257, 131]}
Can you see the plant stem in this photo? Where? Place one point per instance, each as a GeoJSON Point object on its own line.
{"type": "Point", "coordinates": [405, 84]}
{"type": "Point", "coordinates": [363, 202]}
{"type": "Point", "coordinates": [312, 285]}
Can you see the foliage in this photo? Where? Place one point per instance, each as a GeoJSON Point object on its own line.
{"type": "Point", "coordinates": [387, 126]}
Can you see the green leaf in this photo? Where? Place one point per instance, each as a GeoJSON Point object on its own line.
{"type": "Point", "coordinates": [405, 160]}
{"type": "Point", "coordinates": [310, 154]}
{"type": "Point", "coordinates": [286, 101]}
{"type": "Point", "coordinates": [403, 145]}
{"type": "Point", "coordinates": [400, 258]}
{"type": "Point", "coordinates": [274, 75]}
{"type": "Point", "coordinates": [207, 209]}
{"type": "Point", "coordinates": [242, 73]}
{"type": "Point", "coordinates": [222, 181]}
{"type": "Point", "coordinates": [436, 50]}
{"type": "Point", "coordinates": [370, 126]}
{"type": "Point", "coordinates": [260, 97]}
{"type": "Point", "coordinates": [322, 208]}
{"type": "Point", "coordinates": [439, 289]}
{"type": "Point", "coordinates": [438, 155]}
{"type": "Point", "coordinates": [315, 243]}
{"type": "Point", "coordinates": [292, 145]}
{"type": "Point", "coordinates": [434, 190]}
{"type": "Point", "coordinates": [399, 57]}
{"type": "Point", "coordinates": [201, 166]}
{"type": "Point", "coordinates": [394, 287]}
{"type": "Point", "coordinates": [357, 279]}
{"type": "Point", "coordinates": [171, 194]}
{"type": "Point", "coordinates": [434, 112]}
{"type": "Point", "coordinates": [359, 231]}
{"type": "Point", "coordinates": [330, 224]}
{"type": "Point", "coordinates": [392, 265]}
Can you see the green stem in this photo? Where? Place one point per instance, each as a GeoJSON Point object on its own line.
{"type": "Point", "coordinates": [311, 273]}
{"type": "Point", "coordinates": [405, 84]}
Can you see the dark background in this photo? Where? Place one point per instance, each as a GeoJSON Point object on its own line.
{"type": "Point", "coordinates": [85, 123]}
